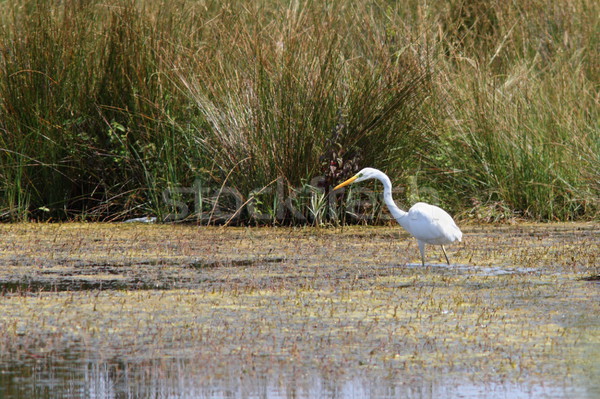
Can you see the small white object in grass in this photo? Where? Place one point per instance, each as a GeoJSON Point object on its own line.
{"type": "Point", "coordinates": [145, 219]}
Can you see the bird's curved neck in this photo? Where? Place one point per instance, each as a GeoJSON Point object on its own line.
{"type": "Point", "coordinates": [397, 213]}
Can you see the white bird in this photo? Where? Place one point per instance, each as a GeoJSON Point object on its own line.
{"type": "Point", "coordinates": [429, 224]}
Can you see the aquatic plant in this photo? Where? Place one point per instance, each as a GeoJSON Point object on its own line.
{"type": "Point", "coordinates": [252, 302]}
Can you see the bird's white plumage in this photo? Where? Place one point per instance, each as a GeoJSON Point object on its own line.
{"type": "Point", "coordinates": [429, 224]}
{"type": "Point", "coordinates": [432, 224]}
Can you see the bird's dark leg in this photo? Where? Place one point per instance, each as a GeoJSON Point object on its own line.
{"type": "Point", "coordinates": [446, 255]}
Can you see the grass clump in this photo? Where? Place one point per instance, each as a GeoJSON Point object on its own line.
{"type": "Point", "coordinates": [81, 120]}
{"type": "Point", "coordinates": [522, 107]}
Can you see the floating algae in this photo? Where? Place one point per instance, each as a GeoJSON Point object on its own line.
{"type": "Point", "coordinates": [158, 310]}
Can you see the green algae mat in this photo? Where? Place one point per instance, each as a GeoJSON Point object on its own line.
{"type": "Point", "coordinates": [124, 310]}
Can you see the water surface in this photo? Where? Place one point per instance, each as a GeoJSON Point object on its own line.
{"type": "Point", "coordinates": [111, 311]}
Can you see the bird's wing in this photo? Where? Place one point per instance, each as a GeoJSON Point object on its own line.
{"type": "Point", "coordinates": [432, 224]}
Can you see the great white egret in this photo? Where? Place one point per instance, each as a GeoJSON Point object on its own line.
{"type": "Point", "coordinates": [429, 224]}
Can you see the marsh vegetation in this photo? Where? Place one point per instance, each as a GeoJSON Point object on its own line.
{"type": "Point", "coordinates": [105, 310]}
{"type": "Point", "coordinates": [492, 106]}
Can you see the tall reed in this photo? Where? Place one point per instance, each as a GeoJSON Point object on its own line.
{"type": "Point", "coordinates": [522, 102]}
{"type": "Point", "coordinates": [107, 108]}
{"type": "Point", "coordinates": [305, 86]}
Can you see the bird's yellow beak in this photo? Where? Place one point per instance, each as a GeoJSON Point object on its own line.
{"type": "Point", "coordinates": [344, 184]}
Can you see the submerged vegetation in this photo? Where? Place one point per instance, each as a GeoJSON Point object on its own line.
{"type": "Point", "coordinates": [116, 109]}
{"type": "Point", "coordinates": [105, 310]}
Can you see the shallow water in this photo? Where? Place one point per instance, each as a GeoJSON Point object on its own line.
{"type": "Point", "coordinates": [110, 311]}
{"type": "Point", "coordinates": [175, 379]}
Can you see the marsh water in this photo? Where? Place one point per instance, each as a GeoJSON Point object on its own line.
{"type": "Point", "coordinates": [116, 311]}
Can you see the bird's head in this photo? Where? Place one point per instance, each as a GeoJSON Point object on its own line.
{"type": "Point", "coordinates": [364, 174]}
